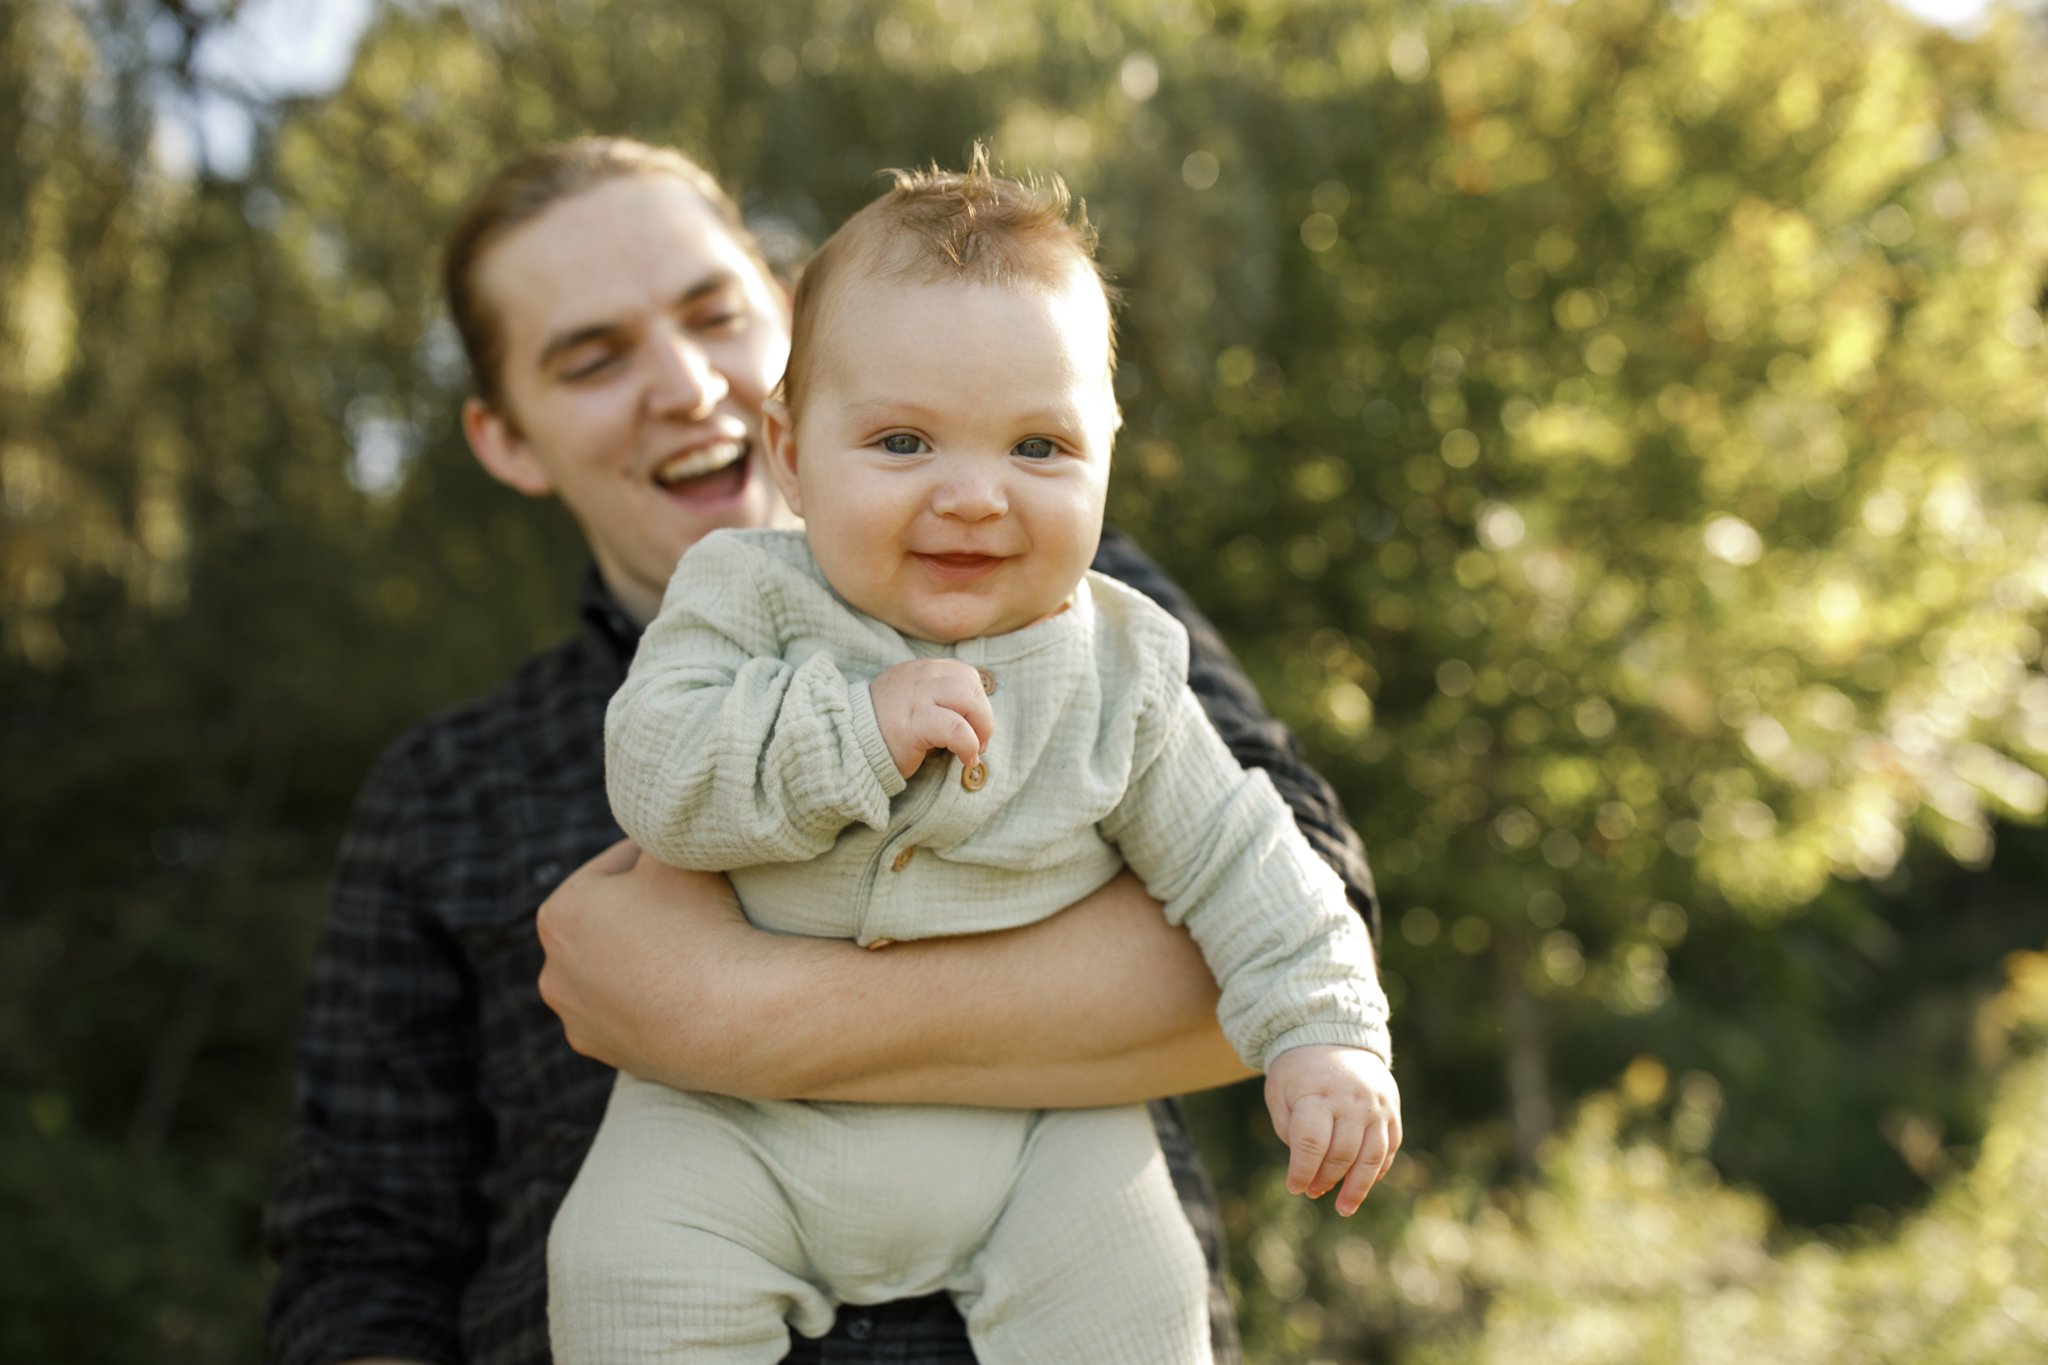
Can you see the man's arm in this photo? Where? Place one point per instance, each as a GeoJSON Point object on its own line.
{"type": "Point", "coordinates": [654, 970]}
{"type": "Point", "coordinates": [374, 1224]}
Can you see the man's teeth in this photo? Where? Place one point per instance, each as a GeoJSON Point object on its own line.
{"type": "Point", "coordinates": [697, 463]}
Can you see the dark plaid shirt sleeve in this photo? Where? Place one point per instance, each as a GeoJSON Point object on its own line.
{"type": "Point", "coordinates": [1255, 738]}
{"type": "Point", "coordinates": [375, 1225]}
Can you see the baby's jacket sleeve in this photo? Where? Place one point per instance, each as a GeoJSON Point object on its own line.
{"type": "Point", "coordinates": [720, 752]}
{"type": "Point", "coordinates": [1217, 846]}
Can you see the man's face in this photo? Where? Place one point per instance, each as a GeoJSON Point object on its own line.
{"type": "Point", "coordinates": [952, 456]}
{"type": "Point", "coordinates": [639, 340]}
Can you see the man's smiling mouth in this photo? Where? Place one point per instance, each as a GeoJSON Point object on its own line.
{"type": "Point", "coordinates": [695, 470]}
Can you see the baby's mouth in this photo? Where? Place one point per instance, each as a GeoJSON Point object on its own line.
{"type": "Point", "coordinates": [959, 568]}
{"type": "Point", "coordinates": [708, 471]}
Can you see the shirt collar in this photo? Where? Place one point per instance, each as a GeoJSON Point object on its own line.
{"type": "Point", "coordinates": [606, 618]}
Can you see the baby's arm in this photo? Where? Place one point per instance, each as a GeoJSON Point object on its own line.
{"type": "Point", "coordinates": [1300, 993]}
{"type": "Point", "coordinates": [720, 753]}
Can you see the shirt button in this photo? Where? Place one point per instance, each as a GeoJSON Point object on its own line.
{"type": "Point", "coordinates": [988, 681]}
{"type": "Point", "coordinates": [902, 860]}
{"type": "Point", "coordinates": [976, 777]}
{"type": "Point", "coordinates": [875, 944]}
{"type": "Point", "coordinates": [547, 874]}
{"type": "Point", "coordinates": [860, 1328]}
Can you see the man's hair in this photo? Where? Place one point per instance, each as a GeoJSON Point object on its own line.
{"type": "Point", "coordinates": [934, 226]}
{"type": "Point", "coordinates": [526, 188]}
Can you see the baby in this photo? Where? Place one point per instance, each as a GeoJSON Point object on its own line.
{"type": "Point", "coordinates": [924, 716]}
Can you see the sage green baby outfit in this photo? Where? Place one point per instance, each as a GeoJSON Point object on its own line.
{"type": "Point", "coordinates": [743, 741]}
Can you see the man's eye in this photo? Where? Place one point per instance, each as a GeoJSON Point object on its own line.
{"type": "Point", "coordinates": [1035, 448]}
{"type": "Point", "coordinates": [585, 366]}
{"type": "Point", "coordinates": [903, 443]}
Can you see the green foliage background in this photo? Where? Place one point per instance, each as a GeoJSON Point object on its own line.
{"type": "Point", "coordinates": [1610, 432]}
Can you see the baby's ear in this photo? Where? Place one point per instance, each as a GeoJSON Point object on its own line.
{"type": "Point", "coordinates": [778, 429]}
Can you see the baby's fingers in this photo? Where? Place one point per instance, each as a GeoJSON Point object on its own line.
{"type": "Point", "coordinates": [949, 730]}
{"type": "Point", "coordinates": [1308, 1136]}
{"type": "Point", "coordinates": [975, 709]}
{"type": "Point", "coordinates": [1349, 1131]}
{"type": "Point", "coordinates": [1375, 1159]}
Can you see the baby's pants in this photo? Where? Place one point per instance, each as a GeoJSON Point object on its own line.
{"type": "Point", "coordinates": [703, 1228]}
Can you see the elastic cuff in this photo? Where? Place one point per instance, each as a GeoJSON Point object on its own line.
{"type": "Point", "coordinates": [1372, 1038]}
{"type": "Point", "coordinates": [861, 707]}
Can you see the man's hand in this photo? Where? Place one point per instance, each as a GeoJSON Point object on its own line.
{"type": "Point", "coordinates": [621, 934]}
{"type": "Point", "coordinates": [931, 704]}
{"type": "Point", "coordinates": [1339, 1111]}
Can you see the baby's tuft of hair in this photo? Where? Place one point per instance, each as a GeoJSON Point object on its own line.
{"type": "Point", "coordinates": [935, 226]}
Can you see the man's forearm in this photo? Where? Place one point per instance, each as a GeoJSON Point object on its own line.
{"type": "Point", "coordinates": [654, 971]}
{"type": "Point", "coordinates": [1052, 1015]}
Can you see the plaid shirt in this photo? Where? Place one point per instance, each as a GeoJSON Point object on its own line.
{"type": "Point", "coordinates": [441, 1114]}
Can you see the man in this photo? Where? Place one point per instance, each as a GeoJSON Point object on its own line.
{"type": "Point", "coordinates": [624, 334]}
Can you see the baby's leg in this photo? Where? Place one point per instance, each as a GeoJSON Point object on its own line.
{"type": "Point", "coordinates": [1093, 1259]}
{"type": "Point", "coordinates": [673, 1243]}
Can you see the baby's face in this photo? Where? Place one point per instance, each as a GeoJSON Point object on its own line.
{"type": "Point", "coordinates": [952, 456]}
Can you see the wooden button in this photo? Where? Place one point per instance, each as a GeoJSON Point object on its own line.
{"type": "Point", "coordinates": [973, 778]}
{"type": "Point", "coordinates": [902, 860]}
{"type": "Point", "coordinates": [878, 943]}
{"type": "Point", "coordinates": [988, 681]}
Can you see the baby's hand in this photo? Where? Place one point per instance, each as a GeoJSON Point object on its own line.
{"type": "Point", "coordinates": [931, 704]}
{"type": "Point", "coordinates": [1339, 1110]}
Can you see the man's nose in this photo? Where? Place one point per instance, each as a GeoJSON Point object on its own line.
{"type": "Point", "coordinates": [685, 382]}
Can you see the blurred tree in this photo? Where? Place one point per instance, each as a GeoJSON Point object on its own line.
{"type": "Point", "coordinates": [1666, 534]}
{"type": "Point", "coordinates": [203, 601]}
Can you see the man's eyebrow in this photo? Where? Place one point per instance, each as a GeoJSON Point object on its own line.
{"type": "Point", "coordinates": [715, 283]}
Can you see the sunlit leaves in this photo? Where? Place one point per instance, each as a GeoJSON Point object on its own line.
{"type": "Point", "coordinates": [1712, 402]}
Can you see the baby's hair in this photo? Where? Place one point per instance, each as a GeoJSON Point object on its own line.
{"type": "Point", "coordinates": [934, 227]}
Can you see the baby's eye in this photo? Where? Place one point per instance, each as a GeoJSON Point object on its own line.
{"type": "Point", "coordinates": [903, 443]}
{"type": "Point", "coordinates": [1035, 448]}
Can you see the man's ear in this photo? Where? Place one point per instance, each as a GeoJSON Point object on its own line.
{"type": "Point", "coordinates": [502, 451]}
{"type": "Point", "coordinates": [780, 435]}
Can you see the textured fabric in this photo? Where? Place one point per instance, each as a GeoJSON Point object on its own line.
{"type": "Point", "coordinates": [743, 742]}
{"type": "Point", "coordinates": [1059, 1232]}
{"type": "Point", "coordinates": [440, 1113]}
